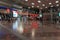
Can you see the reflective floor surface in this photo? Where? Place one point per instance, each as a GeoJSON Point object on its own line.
{"type": "Point", "coordinates": [29, 30]}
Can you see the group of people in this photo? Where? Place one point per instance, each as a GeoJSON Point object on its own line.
{"type": "Point", "coordinates": [5, 17]}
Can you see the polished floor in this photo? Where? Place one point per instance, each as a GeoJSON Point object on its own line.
{"type": "Point", "coordinates": [29, 30]}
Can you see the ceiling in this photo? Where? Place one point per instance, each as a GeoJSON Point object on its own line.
{"type": "Point", "coordinates": [40, 4]}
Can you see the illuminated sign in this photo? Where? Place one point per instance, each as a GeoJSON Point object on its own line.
{"type": "Point", "coordinates": [59, 13]}
{"type": "Point", "coordinates": [15, 14]}
{"type": "Point", "coordinates": [40, 15]}
{"type": "Point", "coordinates": [33, 15]}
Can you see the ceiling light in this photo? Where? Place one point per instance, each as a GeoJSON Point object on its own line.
{"type": "Point", "coordinates": [29, 7]}
{"type": "Point", "coordinates": [52, 6]}
{"type": "Point", "coordinates": [50, 3]}
{"type": "Point", "coordinates": [32, 6]}
{"type": "Point", "coordinates": [39, 1]}
{"type": "Point", "coordinates": [26, 0]}
{"type": "Point", "coordinates": [43, 5]}
{"type": "Point", "coordinates": [32, 3]}
{"type": "Point", "coordinates": [57, 2]}
{"type": "Point", "coordinates": [57, 5]}
{"type": "Point", "coordinates": [37, 6]}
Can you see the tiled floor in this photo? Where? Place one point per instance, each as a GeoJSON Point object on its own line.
{"type": "Point", "coordinates": [32, 30]}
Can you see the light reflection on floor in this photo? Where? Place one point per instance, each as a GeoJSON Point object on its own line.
{"type": "Point", "coordinates": [35, 30]}
{"type": "Point", "coordinates": [15, 25]}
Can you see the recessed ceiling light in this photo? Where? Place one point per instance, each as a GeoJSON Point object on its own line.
{"type": "Point", "coordinates": [57, 5]}
{"type": "Point", "coordinates": [29, 7]}
{"type": "Point", "coordinates": [52, 6]}
{"type": "Point", "coordinates": [32, 3]}
{"type": "Point", "coordinates": [45, 7]}
{"type": "Point", "coordinates": [57, 2]}
{"type": "Point", "coordinates": [40, 8]}
{"type": "Point", "coordinates": [26, 0]}
{"type": "Point", "coordinates": [32, 6]}
{"type": "Point", "coordinates": [37, 6]}
{"type": "Point", "coordinates": [43, 4]}
{"type": "Point", "coordinates": [39, 1]}
{"type": "Point", "coordinates": [50, 3]}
